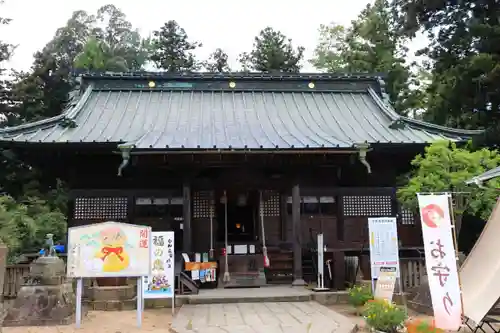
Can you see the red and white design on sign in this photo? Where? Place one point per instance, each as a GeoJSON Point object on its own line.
{"type": "Point", "coordinates": [440, 260]}
{"type": "Point", "coordinates": [144, 238]}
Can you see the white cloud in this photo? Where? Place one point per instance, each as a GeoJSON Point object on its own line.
{"type": "Point", "coordinates": [230, 25]}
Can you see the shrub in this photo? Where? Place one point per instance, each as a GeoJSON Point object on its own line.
{"type": "Point", "coordinates": [384, 316]}
{"type": "Point", "coordinates": [359, 295]}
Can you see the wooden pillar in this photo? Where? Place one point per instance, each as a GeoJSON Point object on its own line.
{"type": "Point", "coordinates": [297, 238]}
{"type": "Point", "coordinates": [339, 270]}
{"type": "Point", "coordinates": [187, 234]}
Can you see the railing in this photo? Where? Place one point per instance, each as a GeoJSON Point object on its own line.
{"type": "Point", "coordinates": [13, 278]}
{"type": "Point", "coordinates": [412, 272]}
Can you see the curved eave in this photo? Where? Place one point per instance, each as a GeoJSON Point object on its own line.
{"type": "Point", "coordinates": [460, 134]}
{"type": "Point", "coordinates": [69, 114]}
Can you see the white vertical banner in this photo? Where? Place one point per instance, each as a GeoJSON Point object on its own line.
{"type": "Point", "coordinates": [161, 282]}
{"type": "Point", "coordinates": [384, 247]}
{"type": "Point", "coordinates": [440, 260]}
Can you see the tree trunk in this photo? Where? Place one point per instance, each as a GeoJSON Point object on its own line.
{"type": "Point", "coordinates": [458, 226]}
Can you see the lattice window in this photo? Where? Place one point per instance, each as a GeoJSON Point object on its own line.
{"type": "Point", "coordinates": [271, 204]}
{"type": "Point", "coordinates": [367, 205]}
{"type": "Point", "coordinates": [101, 208]}
{"type": "Point", "coordinates": [202, 202]}
{"type": "Point", "coordinates": [407, 217]}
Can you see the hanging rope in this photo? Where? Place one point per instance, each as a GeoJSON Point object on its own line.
{"type": "Point", "coordinates": [264, 248]}
{"type": "Point", "coordinates": [211, 252]}
{"type": "Point", "coordinates": [226, 277]}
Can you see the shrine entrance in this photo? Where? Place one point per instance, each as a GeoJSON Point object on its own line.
{"type": "Point", "coordinates": [242, 216]}
{"type": "Point", "coordinates": [239, 230]}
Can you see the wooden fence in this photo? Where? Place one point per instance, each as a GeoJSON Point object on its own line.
{"type": "Point", "coordinates": [13, 279]}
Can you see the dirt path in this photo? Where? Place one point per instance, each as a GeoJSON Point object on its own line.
{"type": "Point", "coordinates": [157, 320]}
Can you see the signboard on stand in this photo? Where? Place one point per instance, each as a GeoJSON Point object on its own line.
{"type": "Point", "coordinates": [161, 282]}
{"type": "Point", "coordinates": [109, 249]}
{"type": "Point", "coordinates": [440, 260]}
{"type": "Point", "coordinates": [386, 283]}
{"type": "Point", "coordinates": [384, 247]}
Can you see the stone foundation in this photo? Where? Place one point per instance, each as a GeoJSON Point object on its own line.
{"type": "Point", "coordinates": [111, 298]}
{"type": "Point", "coordinates": [331, 298]}
{"type": "Point", "coordinates": [42, 306]}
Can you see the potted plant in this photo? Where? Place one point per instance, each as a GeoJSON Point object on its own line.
{"type": "Point", "coordinates": [422, 326]}
{"type": "Point", "coordinates": [358, 296]}
{"type": "Point", "coordinates": [383, 316]}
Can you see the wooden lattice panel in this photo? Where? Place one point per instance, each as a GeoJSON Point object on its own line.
{"type": "Point", "coordinates": [407, 216]}
{"type": "Point", "coordinates": [367, 205]}
{"type": "Point", "coordinates": [203, 204]}
{"type": "Point", "coordinates": [271, 204]}
{"type": "Point", "coordinates": [101, 208]}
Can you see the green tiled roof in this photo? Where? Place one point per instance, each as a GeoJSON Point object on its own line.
{"type": "Point", "coordinates": [230, 111]}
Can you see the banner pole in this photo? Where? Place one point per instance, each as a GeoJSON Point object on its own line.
{"type": "Point", "coordinates": [455, 243]}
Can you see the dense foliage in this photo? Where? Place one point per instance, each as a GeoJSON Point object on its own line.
{"type": "Point", "coordinates": [464, 49]}
{"type": "Point", "coordinates": [445, 168]}
{"type": "Point", "coordinates": [372, 44]}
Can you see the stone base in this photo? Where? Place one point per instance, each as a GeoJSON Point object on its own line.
{"type": "Point", "coordinates": [111, 298]}
{"type": "Point", "coordinates": [42, 306]}
{"type": "Point", "coordinates": [111, 305]}
{"type": "Point", "coordinates": [299, 283]}
{"type": "Point", "coordinates": [331, 297]}
{"type": "Point", "coordinates": [112, 293]}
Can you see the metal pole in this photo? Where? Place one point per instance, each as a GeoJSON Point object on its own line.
{"type": "Point", "coordinates": [140, 282]}
{"type": "Point", "coordinates": [455, 243]}
{"type": "Point", "coordinates": [79, 291]}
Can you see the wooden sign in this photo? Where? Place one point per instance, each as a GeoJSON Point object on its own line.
{"type": "Point", "coordinates": [386, 283]}
{"type": "Point", "coordinates": [195, 266]}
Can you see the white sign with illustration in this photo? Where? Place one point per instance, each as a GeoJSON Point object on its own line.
{"type": "Point", "coordinates": [109, 249]}
{"type": "Point", "coordinates": [161, 282]}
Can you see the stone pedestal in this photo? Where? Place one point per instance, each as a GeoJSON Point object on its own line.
{"type": "Point", "coordinates": [112, 298]}
{"type": "Point", "coordinates": [45, 298]}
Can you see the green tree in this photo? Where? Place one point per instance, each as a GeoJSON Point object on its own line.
{"type": "Point", "coordinates": [217, 62]}
{"type": "Point", "coordinates": [272, 52]}
{"type": "Point", "coordinates": [120, 43]}
{"type": "Point", "coordinates": [23, 226]}
{"type": "Point", "coordinates": [445, 168]}
{"type": "Point", "coordinates": [172, 50]}
{"type": "Point", "coordinates": [98, 55]}
{"type": "Point", "coordinates": [464, 48]}
{"type": "Point", "coordinates": [371, 44]}
{"type": "Point", "coordinates": [43, 91]}
{"type": "Point", "coordinates": [6, 109]}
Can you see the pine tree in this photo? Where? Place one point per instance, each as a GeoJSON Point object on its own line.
{"type": "Point", "coordinates": [172, 50]}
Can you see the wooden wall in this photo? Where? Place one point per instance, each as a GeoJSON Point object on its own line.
{"type": "Point", "coordinates": [341, 214]}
